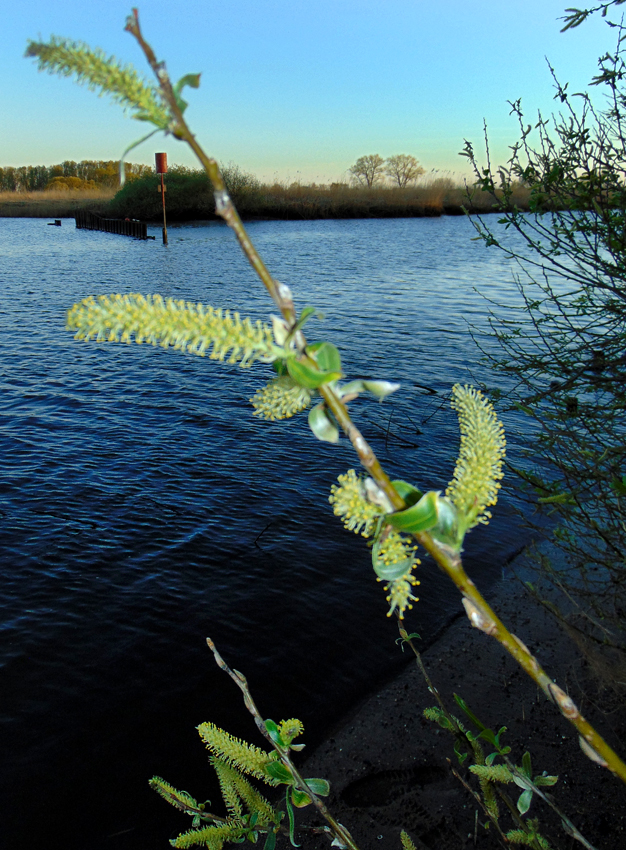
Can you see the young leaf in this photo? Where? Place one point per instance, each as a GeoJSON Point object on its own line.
{"type": "Point", "coordinates": [278, 771]}
{"type": "Point", "coordinates": [325, 355]}
{"type": "Point", "coordinates": [292, 824]}
{"type": "Point", "coordinates": [321, 787]}
{"type": "Point", "coordinates": [307, 376]}
{"type": "Point", "coordinates": [419, 517]}
{"type": "Point", "coordinates": [274, 733]}
{"type": "Point", "coordinates": [544, 779]}
{"type": "Point", "coordinates": [406, 491]}
{"type": "Point", "coordinates": [270, 841]}
{"type": "Point", "coordinates": [465, 707]}
{"type": "Point", "coordinates": [353, 388]}
{"type": "Point", "coordinates": [305, 315]}
{"type": "Point", "coordinates": [525, 798]}
{"type": "Point", "coordinates": [381, 389]}
{"type": "Point", "coordinates": [322, 425]}
{"type": "Point", "coordinates": [300, 799]}
{"type": "Point", "coordinates": [391, 572]}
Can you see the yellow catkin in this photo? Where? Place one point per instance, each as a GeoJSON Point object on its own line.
{"type": "Point", "coordinates": [282, 398]}
{"type": "Point", "coordinates": [193, 328]}
{"type": "Point", "coordinates": [350, 503]}
{"type": "Point", "coordinates": [234, 751]}
{"type": "Point", "coordinates": [394, 550]}
{"type": "Point", "coordinates": [476, 481]}
{"type": "Point", "coordinates": [290, 729]}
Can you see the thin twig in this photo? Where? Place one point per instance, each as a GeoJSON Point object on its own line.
{"type": "Point", "coordinates": [480, 802]}
{"type": "Point", "coordinates": [239, 679]}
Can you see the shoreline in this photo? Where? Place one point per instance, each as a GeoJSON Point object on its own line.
{"type": "Point", "coordinates": [388, 766]}
{"type": "Point", "coordinates": [26, 209]}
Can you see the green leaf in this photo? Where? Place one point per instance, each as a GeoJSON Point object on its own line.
{"type": "Point", "coordinates": [406, 491]}
{"type": "Point", "coordinates": [270, 841]}
{"type": "Point", "coordinates": [351, 388]}
{"type": "Point", "coordinates": [419, 517]}
{"type": "Point", "coordinates": [274, 734]}
{"type": "Point", "coordinates": [322, 425]}
{"type": "Point", "coordinates": [525, 799]}
{"type": "Point", "coordinates": [300, 799]}
{"type": "Point", "coordinates": [461, 756]}
{"type": "Point", "coordinates": [487, 735]}
{"type": "Point", "coordinates": [306, 314]}
{"type": "Point", "coordinates": [308, 376]}
{"type": "Point", "coordinates": [559, 499]}
{"type": "Point", "coordinates": [545, 780]}
{"type": "Point", "coordinates": [388, 572]}
{"type": "Point", "coordinates": [523, 408]}
{"type": "Point", "coordinates": [527, 767]}
{"type": "Point", "coordinates": [292, 824]}
{"type": "Point", "coordinates": [321, 787]}
{"type": "Point", "coordinates": [619, 486]}
{"type": "Point", "coordinates": [447, 528]}
{"type": "Point", "coordinates": [467, 710]}
{"type": "Point", "coordinates": [192, 80]}
{"type": "Point", "coordinates": [325, 355]}
{"type": "Point", "coordinates": [277, 770]}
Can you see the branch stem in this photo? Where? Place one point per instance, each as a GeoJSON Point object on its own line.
{"type": "Point", "coordinates": [479, 612]}
{"type": "Point", "coordinates": [240, 680]}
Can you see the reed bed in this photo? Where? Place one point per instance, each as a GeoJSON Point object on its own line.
{"type": "Point", "coordinates": [190, 197]}
{"type": "Point", "coordinates": [53, 204]}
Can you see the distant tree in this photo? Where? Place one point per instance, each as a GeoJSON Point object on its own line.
{"type": "Point", "coordinates": [70, 168]}
{"type": "Point", "coordinates": [75, 184]}
{"type": "Point", "coordinates": [403, 169]}
{"type": "Point", "coordinates": [367, 170]}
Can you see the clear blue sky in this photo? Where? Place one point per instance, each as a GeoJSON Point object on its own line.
{"type": "Point", "coordinates": [299, 89]}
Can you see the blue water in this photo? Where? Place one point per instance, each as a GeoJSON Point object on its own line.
{"type": "Point", "coordinates": [142, 507]}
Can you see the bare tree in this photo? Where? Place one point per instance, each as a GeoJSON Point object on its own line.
{"type": "Point", "coordinates": [367, 170]}
{"type": "Point", "coordinates": [403, 169]}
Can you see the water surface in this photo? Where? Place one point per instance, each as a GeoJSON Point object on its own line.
{"type": "Point", "coordinates": [143, 507]}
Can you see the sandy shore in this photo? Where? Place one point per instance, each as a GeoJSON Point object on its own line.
{"type": "Point", "coordinates": [388, 766]}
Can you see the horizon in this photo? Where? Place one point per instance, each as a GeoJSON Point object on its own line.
{"type": "Point", "coordinates": [293, 94]}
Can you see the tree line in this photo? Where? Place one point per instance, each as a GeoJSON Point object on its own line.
{"type": "Point", "coordinates": [86, 174]}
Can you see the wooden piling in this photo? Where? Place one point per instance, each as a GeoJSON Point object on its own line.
{"type": "Point", "coordinates": [124, 227]}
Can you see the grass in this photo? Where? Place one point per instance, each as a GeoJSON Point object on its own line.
{"type": "Point", "coordinates": [51, 204]}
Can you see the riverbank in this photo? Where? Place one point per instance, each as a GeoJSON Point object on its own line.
{"type": "Point", "coordinates": [388, 766]}
{"type": "Point", "coordinates": [190, 198]}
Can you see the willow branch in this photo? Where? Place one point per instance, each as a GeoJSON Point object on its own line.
{"type": "Point", "coordinates": [568, 826]}
{"type": "Point", "coordinates": [482, 617]}
{"type": "Point", "coordinates": [239, 679]}
{"type": "Point", "coordinates": [479, 612]}
{"type": "Point", "coordinates": [502, 837]}
{"type": "Point", "coordinates": [223, 203]}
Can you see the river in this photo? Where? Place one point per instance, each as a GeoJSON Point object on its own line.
{"type": "Point", "coordinates": [143, 507]}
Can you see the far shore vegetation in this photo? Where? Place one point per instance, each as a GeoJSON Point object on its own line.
{"type": "Point", "coordinates": [59, 191]}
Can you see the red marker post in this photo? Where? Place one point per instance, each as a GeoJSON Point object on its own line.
{"type": "Point", "coordinates": [161, 168]}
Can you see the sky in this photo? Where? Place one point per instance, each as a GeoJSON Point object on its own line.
{"type": "Point", "coordinates": [297, 90]}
